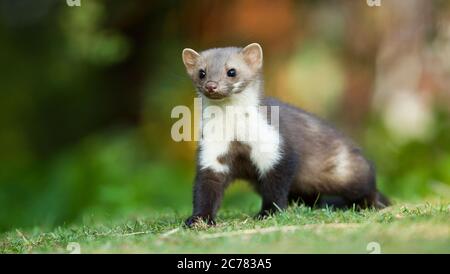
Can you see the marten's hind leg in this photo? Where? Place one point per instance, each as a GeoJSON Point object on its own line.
{"type": "Point", "coordinates": [310, 200]}
{"type": "Point", "coordinates": [372, 200]}
{"type": "Point", "coordinates": [358, 187]}
{"type": "Point", "coordinates": [328, 201]}
{"type": "Point", "coordinates": [363, 193]}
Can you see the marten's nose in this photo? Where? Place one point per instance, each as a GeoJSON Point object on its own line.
{"type": "Point", "coordinates": [211, 86]}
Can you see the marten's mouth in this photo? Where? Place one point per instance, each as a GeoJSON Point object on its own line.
{"type": "Point", "coordinates": [214, 96]}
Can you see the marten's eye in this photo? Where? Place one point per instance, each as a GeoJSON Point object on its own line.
{"type": "Point", "coordinates": [231, 73]}
{"type": "Point", "coordinates": [201, 73]}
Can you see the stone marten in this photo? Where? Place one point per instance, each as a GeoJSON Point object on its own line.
{"type": "Point", "coordinates": [299, 157]}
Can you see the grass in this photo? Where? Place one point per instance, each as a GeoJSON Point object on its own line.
{"type": "Point", "coordinates": [407, 228]}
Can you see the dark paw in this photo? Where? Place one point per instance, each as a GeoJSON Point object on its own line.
{"type": "Point", "coordinates": [264, 214]}
{"type": "Point", "coordinates": [199, 221]}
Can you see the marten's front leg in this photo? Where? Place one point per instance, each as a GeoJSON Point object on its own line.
{"type": "Point", "coordinates": [208, 192]}
{"type": "Point", "coordinates": [274, 186]}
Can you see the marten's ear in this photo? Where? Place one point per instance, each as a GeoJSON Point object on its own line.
{"type": "Point", "coordinates": [190, 59]}
{"type": "Point", "coordinates": [253, 56]}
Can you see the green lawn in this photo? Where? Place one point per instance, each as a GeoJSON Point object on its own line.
{"type": "Point", "coordinates": [406, 228]}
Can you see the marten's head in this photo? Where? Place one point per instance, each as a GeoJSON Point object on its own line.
{"type": "Point", "coordinates": [221, 72]}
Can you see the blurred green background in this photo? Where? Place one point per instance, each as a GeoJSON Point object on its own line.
{"type": "Point", "coordinates": [86, 95]}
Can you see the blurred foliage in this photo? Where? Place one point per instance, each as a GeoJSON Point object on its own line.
{"type": "Point", "coordinates": [86, 95]}
{"type": "Point", "coordinates": [415, 169]}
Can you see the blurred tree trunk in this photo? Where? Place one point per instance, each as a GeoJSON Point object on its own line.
{"type": "Point", "coordinates": [142, 24]}
{"type": "Point", "coordinates": [360, 49]}
{"type": "Point", "coordinates": [401, 56]}
{"type": "Point", "coordinates": [402, 83]}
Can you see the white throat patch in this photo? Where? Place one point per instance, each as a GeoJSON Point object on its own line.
{"type": "Point", "coordinates": [239, 118]}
